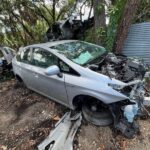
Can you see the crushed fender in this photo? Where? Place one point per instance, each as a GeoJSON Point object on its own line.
{"type": "Point", "coordinates": [61, 137]}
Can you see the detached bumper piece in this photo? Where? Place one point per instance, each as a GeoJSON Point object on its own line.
{"type": "Point", "coordinates": [61, 137]}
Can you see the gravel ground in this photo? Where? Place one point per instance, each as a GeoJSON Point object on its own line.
{"type": "Point", "coordinates": [26, 118]}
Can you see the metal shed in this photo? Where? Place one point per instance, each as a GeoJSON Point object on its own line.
{"type": "Point", "coordinates": [137, 42]}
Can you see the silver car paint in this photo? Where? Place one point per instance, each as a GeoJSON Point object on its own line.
{"type": "Point", "coordinates": [62, 136]}
{"type": "Point", "coordinates": [65, 89]}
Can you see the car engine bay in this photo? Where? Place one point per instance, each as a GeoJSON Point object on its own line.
{"type": "Point", "coordinates": [131, 71]}
{"type": "Point", "coordinates": [119, 67]}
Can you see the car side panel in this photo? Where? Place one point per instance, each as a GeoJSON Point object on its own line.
{"type": "Point", "coordinates": [34, 78]}
{"type": "Point", "coordinates": [82, 86]}
{"type": "Point", "coordinates": [25, 71]}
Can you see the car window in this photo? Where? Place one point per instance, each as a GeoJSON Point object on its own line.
{"type": "Point", "coordinates": [67, 69]}
{"type": "Point", "coordinates": [64, 67]}
{"type": "Point", "coordinates": [24, 56]}
{"type": "Point", "coordinates": [43, 58]}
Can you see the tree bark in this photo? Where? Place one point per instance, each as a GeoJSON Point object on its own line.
{"type": "Point", "coordinates": [99, 19]}
{"type": "Point", "coordinates": [54, 11]}
{"type": "Point", "coordinates": [126, 20]}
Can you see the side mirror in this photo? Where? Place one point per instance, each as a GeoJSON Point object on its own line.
{"type": "Point", "coordinates": [52, 70]}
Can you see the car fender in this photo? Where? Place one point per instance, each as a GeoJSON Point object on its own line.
{"type": "Point", "coordinates": [111, 96]}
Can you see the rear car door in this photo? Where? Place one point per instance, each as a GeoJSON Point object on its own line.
{"type": "Point", "coordinates": [23, 66]}
{"type": "Point", "coordinates": [51, 86]}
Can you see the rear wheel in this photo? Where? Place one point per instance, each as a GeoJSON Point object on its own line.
{"type": "Point", "coordinates": [97, 113]}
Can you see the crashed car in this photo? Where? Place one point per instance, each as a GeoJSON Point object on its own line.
{"type": "Point", "coordinates": [68, 29]}
{"type": "Point", "coordinates": [107, 88]}
{"type": "Point", "coordinates": [6, 55]}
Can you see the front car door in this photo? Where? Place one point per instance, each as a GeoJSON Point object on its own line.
{"type": "Point", "coordinates": [50, 86]}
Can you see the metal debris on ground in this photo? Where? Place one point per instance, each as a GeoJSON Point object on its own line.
{"type": "Point", "coordinates": [61, 137]}
{"type": "Point", "coordinates": [6, 55]}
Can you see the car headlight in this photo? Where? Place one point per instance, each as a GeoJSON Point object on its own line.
{"type": "Point", "coordinates": [115, 86]}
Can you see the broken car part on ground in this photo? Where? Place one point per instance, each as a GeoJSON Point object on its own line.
{"type": "Point", "coordinates": [6, 55]}
{"type": "Point", "coordinates": [108, 88]}
{"type": "Point", "coordinates": [61, 138]}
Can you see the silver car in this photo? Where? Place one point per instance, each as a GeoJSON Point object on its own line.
{"type": "Point", "coordinates": [65, 72]}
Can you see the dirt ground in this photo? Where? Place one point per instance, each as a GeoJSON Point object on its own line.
{"type": "Point", "coordinates": [26, 118]}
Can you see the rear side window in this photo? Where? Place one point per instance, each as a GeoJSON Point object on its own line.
{"type": "Point", "coordinates": [24, 56]}
{"type": "Point", "coordinates": [43, 58]}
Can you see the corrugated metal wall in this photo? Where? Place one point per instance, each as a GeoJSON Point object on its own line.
{"type": "Point", "coordinates": [138, 41]}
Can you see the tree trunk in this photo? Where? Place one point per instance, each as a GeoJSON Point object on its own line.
{"type": "Point", "coordinates": [54, 11]}
{"type": "Point", "coordinates": [99, 19]}
{"type": "Point", "coordinates": [126, 20]}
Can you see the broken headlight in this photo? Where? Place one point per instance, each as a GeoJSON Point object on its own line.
{"type": "Point", "coordinates": [115, 86]}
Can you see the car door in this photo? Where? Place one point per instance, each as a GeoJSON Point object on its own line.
{"type": "Point", "coordinates": [23, 66]}
{"type": "Point", "coordinates": [51, 86]}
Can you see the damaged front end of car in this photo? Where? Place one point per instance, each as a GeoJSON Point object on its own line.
{"type": "Point", "coordinates": [125, 112]}
{"type": "Point", "coordinates": [119, 67]}
{"type": "Point", "coordinates": [131, 72]}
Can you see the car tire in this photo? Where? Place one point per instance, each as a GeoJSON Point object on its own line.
{"type": "Point", "coordinates": [102, 118]}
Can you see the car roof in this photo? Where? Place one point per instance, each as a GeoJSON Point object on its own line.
{"type": "Point", "coordinates": [53, 43]}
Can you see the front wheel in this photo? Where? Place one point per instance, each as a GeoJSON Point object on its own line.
{"type": "Point", "coordinates": [96, 114]}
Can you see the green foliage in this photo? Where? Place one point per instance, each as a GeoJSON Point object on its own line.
{"type": "Point", "coordinates": [115, 12]}
{"type": "Point", "coordinates": [89, 36]}
{"type": "Point", "coordinates": [143, 13]}
{"type": "Point", "coordinates": [100, 7]}
{"type": "Point", "coordinates": [24, 22]}
{"type": "Point", "coordinates": [101, 34]}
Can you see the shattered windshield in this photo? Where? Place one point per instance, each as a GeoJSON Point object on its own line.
{"type": "Point", "coordinates": [80, 52]}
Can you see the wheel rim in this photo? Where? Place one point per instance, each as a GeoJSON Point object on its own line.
{"type": "Point", "coordinates": [95, 116]}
